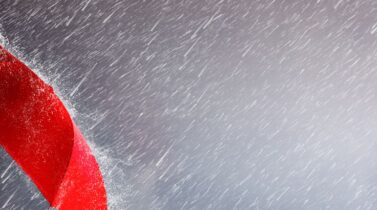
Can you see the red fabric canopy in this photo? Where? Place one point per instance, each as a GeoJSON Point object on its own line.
{"type": "Point", "coordinates": [38, 133]}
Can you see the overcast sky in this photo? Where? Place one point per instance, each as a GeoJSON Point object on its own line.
{"type": "Point", "coordinates": [215, 104]}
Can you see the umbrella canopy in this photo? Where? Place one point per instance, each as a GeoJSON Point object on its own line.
{"type": "Point", "coordinates": [39, 134]}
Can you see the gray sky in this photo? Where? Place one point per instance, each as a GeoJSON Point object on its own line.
{"type": "Point", "coordinates": [221, 104]}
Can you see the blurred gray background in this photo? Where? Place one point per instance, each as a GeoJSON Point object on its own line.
{"type": "Point", "coordinates": [210, 104]}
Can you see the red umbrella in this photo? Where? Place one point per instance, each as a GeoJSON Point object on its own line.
{"type": "Point", "coordinates": [38, 133]}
